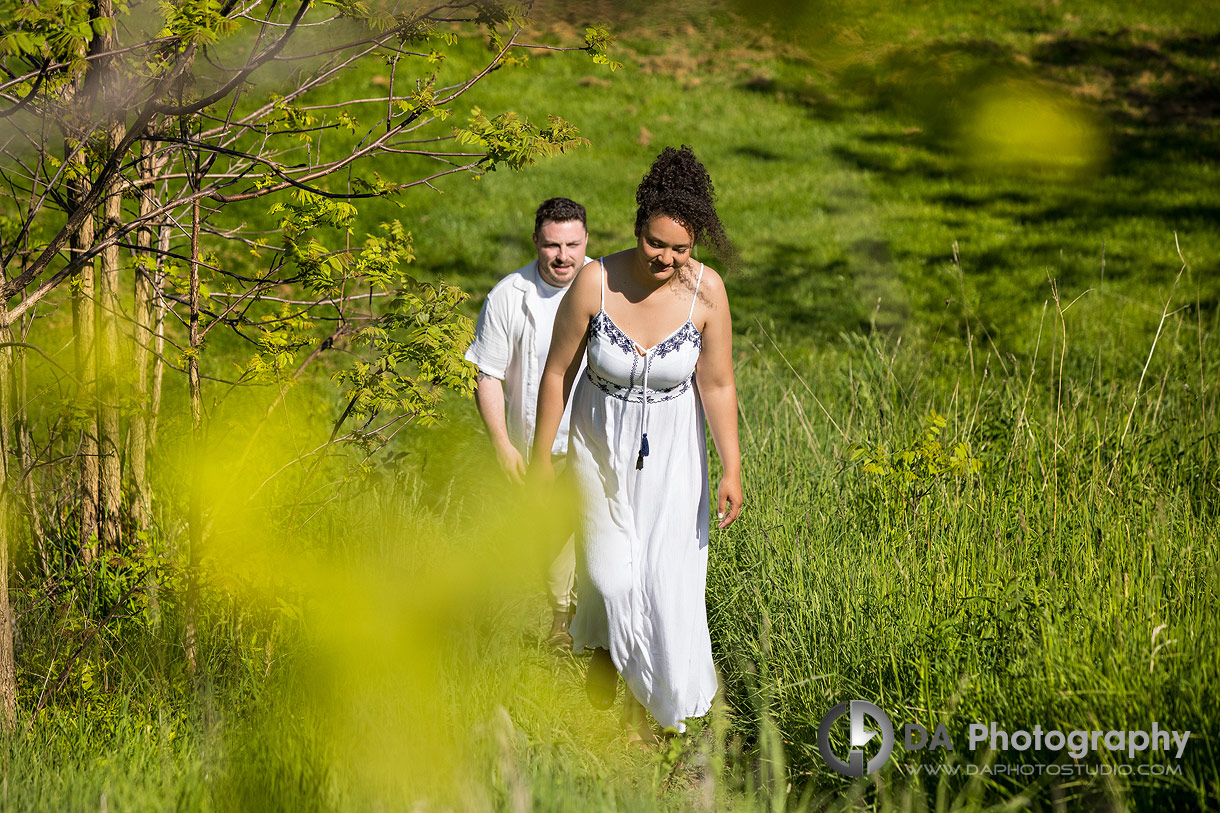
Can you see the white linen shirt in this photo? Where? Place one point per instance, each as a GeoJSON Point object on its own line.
{"type": "Point", "coordinates": [503, 348]}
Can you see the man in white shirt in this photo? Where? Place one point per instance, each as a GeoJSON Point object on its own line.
{"type": "Point", "coordinates": [510, 346]}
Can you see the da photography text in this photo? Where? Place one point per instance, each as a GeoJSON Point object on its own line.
{"type": "Point", "coordinates": [867, 721]}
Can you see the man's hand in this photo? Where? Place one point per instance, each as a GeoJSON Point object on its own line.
{"type": "Point", "coordinates": [489, 396]}
{"type": "Point", "coordinates": [511, 462]}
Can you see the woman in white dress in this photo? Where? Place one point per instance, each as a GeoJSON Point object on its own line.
{"type": "Point", "coordinates": [637, 450]}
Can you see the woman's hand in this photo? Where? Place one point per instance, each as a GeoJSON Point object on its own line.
{"type": "Point", "coordinates": [729, 495]}
{"type": "Point", "coordinates": [542, 470]}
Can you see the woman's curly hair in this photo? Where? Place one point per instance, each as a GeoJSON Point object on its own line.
{"type": "Point", "coordinates": [678, 186]}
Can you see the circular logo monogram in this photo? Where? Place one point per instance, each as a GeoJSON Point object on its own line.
{"type": "Point", "coordinates": [855, 764]}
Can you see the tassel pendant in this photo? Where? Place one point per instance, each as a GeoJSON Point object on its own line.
{"type": "Point", "coordinates": [639, 461]}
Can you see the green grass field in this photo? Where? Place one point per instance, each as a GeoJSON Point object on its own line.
{"type": "Point", "coordinates": [975, 319]}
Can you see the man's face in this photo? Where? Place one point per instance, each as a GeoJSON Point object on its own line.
{"type": "Point", "coordinates": [561, 251]}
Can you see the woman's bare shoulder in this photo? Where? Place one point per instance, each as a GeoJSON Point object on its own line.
{"type": "Point", "coordinates": [586, 288]}
{"type": "Point", "coordinates": [616, 260]}
{"type": "Point", "coordinates": [588, 269]}
{"type": "Point", "coordinates": [711, 289]}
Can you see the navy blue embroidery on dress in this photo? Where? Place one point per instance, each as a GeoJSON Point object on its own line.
{"type": "Point", "coordinates": [602, 322]}
{"type": "Point", "coordinates": [688, 332]}
{"type": "Point", "coordinates": [635, 395]}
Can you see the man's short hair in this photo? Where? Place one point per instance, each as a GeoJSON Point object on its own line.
{"type": "Point", "coordinates": [558, 210]}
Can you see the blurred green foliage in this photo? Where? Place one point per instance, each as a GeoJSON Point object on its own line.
{"type": "Point", "coordinates": [372, 631]}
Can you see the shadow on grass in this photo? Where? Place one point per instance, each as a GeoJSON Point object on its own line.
{"type": "Point", "coordinates": [792, 296]}
{"type": "Point", "coordinates": [1160, 93]}
{"type": "Point", "coordinates": [1157, 95]}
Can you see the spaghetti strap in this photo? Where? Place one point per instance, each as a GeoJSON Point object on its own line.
{"type": "Point", "coordinates": [602, 262]}
{"type": "Point", "coordinates": [694, 298]}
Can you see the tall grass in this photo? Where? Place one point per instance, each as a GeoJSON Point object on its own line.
{"type": "Point", "coordinates": [1072, 581]}
{"type": "Point", "coordinates": [388, 652]}
{"type": "Point", "coordinates": [370, 636]}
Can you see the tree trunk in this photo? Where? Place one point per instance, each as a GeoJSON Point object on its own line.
{"type": "Point", "coordinates": [147, 305]}
{"type": "Point", "coordinates": [83, 328]}
{"type": "Point", "coordinates": [8, 670]}
{"type": "Point", "coordinates": [24, 441]}
{"type": "Point", "coordinates": [145, 297]}
{"type": "Point", "coordinates": [110, 472]}
{"type": "Point", "coordinates": [158, 347]}
{"type": "Point", "coordinates": [195, 507]}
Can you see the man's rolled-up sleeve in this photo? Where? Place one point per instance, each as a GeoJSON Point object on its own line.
{"type": "Point", "coordinates": [489, 350]}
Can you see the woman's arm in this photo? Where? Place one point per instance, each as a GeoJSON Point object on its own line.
{"type": "Point", "coordinates": [718, 391]}
{"type": "Point", "coordinates": [568, 337]}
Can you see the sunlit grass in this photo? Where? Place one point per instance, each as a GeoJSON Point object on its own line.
{"type": "Point", "coordinates": [371, 639]}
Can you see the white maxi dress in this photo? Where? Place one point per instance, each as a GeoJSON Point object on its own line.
{"type": "Point", "coordinates": [636, 447]}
